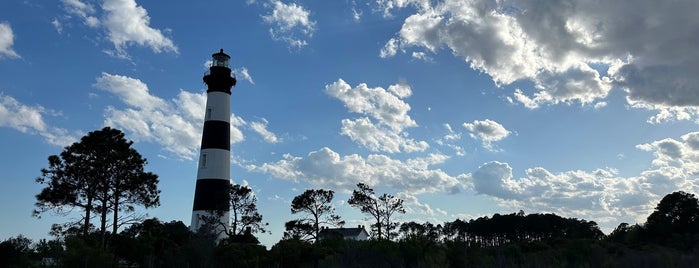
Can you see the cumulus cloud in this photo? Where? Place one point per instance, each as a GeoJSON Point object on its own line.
{"type": "Point", "coordinates": [7, 39]}
{"type": "Point", "coordinates": [385, 106]}
{"type": "Point", "coordinates": [601, 193]}
{"type": "Point", "coordinates": [413, 205]}
{"type": "Point", "coordinates": [649, 51]}
{"type": "Point", "coordinates": [376, 139]}
{"type": "Point", "coordinates": [30, 119]}
{"type": "Point", "coordinates": [487, 131]}
{"type": "Point", "coordinates": [666, 113]}
{"type": "Point", "coordinates": [175, 124]}
{"type": "Point", "coordinates": [387, 109]}
{"type": "Point", "coordinates": [261, 128]}
{"type": "Point", "coordinates": [291, 23]}
{"type": "Point", "coordinates": [329, 170]}
{"type": "Point", "coordinates": [125, 23]}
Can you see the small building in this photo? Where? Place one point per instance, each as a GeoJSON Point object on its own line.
{"type": "Point", "coordinates": [358, 233]}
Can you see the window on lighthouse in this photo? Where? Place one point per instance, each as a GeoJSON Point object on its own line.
{"type": "Point", "coordinates": [202, 161]}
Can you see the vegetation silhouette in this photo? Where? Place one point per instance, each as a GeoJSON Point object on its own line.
{"type": "Point", "coordinates": [81, 178]}
{"type": "Point", "coordinates": [101, 173]}
{"type": "Point", "coordinates": [316, 209]}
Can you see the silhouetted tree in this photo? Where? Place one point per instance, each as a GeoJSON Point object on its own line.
{"type": "Point", "coordinates": [244, 212]}
{"type": "Point", "coordinates": [381, 209]}
{"type": "Point", "coordinates": [100, 173]}
{"type": "Point", "coordinates": [316, 209]}
{"type": "Point", "coordinates": [298, 230]}
{"type": "Point", "coordinates": [677, 212]}
{"type": "Point", "coordinates": [153, 243]}
{"type": "Point", "coordinates": [14, 252]}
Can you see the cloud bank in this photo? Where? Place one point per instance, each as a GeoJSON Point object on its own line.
{"type": "Point", "coordinates": [174, 124]}
{"type": "Point", "coordinates": [573, 52]}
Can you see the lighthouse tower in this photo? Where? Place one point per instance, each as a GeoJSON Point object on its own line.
{"type": "Point", "coordinates": [211, 197]}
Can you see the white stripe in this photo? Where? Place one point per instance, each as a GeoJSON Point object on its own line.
{"type": "Point", "coordinates": [218, 104]}
{"type": "Point", "coordinates": [214, 164]}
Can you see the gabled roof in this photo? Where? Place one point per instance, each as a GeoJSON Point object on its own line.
{"type": "Point", "coordinates": [344, 232]}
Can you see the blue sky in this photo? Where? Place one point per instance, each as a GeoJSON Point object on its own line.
{"type": "Point", "coordinates": [461, 108]}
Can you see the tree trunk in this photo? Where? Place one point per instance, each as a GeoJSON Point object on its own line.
{"type": "Point", "coordinates": [103, 226]}
{"type": "Point", "coordinates": [316, 227]}
{"type": "Point", "coordinates": [88, 209]}
{"type": "Point", "coordinates": [117, 193]}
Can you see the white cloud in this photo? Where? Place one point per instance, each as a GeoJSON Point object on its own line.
{"type": "Point", "coordinates": [377, 139]}
{"type": "Point", "coordinates": [413, 206]}
{"type": "Point", "coordinates": [389, 112]}
{"type": "Point", "coordinates": [290, 23]}
{"type": "Point", "coordinates": [650, 53]}
{"type": "Point", "coordinates": [356, 14]}
{"type": "Point", "coordinates": [526, 100]}
{"type": "Point", "coordinates": [450, 139]}
{"type": "Point", "coordinates": [175, 124]}
{"type": "Point", "coordinates": [389, 49]}
{"type": "Point", "coordinates": [488, 131]}
{"type": "Point", "coordinates": [384, 106]}
{"type": "Point", "coordinates": [329, 170]}
{"type": "Point", "coordinates": [7, 39]}
{"type": "Point", "coordinates": [128, 23]}
{"type": "Point", "coordinates": [57, 25]}
{"type": "Point", "coordinates": [86, 11]}
{"type": "Point", "coordinates": [125, 23]}
{"type": "Point", "coordinates": [666, 113]}
{"type": "Point", "coordinates": [240, 73]}
{"type": "Point", "coordinates": [261, 128]}
{"type": "Point", "coordinates": [387, 6]}
{"type": "Point", "coordinates": [30, 119]}
{"type": "Point", "coordinates": [601, 193]}
{"type": "Point", "coordinates": [598, 194]}
{"type": "Point", "coordinates": [131, 91]}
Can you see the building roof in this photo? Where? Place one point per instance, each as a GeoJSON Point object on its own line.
{"type": "Point", "coordinates": [342, 232]}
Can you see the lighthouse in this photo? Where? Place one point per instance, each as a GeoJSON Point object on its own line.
{"type": "Point", "coordinates": [211, 195]}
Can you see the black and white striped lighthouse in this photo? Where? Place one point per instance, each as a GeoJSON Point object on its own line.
{"type": "Point", "coordinates": [211, 197]}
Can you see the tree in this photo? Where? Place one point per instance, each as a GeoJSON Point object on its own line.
{"type": "Point", "coordinates": [316, 205]}
{"type": "Point", "coordinates": [244, 212]}
{"type": "Point", "coordinates": [101, 173]}
{"type": "Point", "coordinates": [14, 252]}
{"type": "Point", "coordinates": [677, 212]}
{"type": "Point", "coordinates": [381, 209]}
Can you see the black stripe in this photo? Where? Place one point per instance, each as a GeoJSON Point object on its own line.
{"type": "Point", "coordinates": [212, 195]}
{"type": "Point", "coordinates": [216, 135]}
{"type": "Point", "coordinates": [219, 79]}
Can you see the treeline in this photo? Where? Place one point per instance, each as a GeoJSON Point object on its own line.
{"type": "Point", "coordinates": [504, 229]}
{"type": "Point", "coordinates": [668, 238]}
{"type": "Point", "coordinates": [104, 179]}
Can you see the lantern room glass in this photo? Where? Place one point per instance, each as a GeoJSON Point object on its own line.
{"type": "Point", "coordinates": [220, 60]}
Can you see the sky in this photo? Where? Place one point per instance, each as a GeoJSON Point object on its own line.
{"type": "Point", "coordinates": [585, 109]}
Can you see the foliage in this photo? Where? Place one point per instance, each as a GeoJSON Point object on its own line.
{"type": "Point", "coordinates": [381, 209]}
{"type": "Point", "coordinates": [316, 209]}
{"type": "Point", "coordinates": [14, 252]}
{"type": "Point", "coordinates": [244, 211]}
{"type": "Point", "coordinates": [510, 240]}
{"type": "Point", "coordinates": [677, 214]}
{"type": "Point", "coordinates": [101, 173]}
